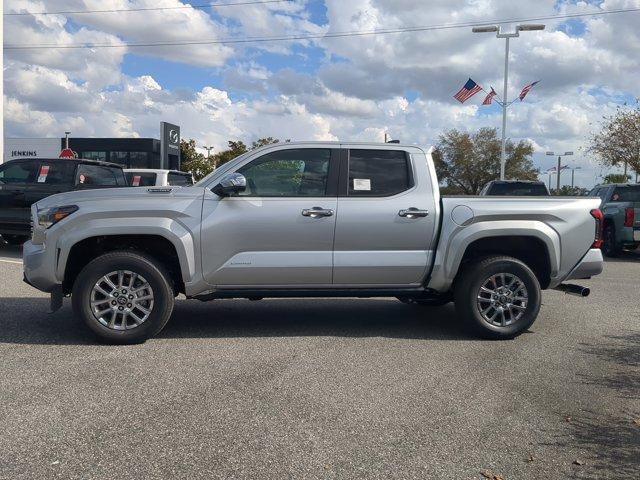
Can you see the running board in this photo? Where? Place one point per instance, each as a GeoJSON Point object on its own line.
{"type": "Point", "coordinates": [324, 292]}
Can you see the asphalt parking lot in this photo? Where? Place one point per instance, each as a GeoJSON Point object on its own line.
{"type": "Point", "coordinates": [326, 388]}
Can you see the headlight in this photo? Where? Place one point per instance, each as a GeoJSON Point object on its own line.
{"type": "Point", "coordinates": [52, 215]}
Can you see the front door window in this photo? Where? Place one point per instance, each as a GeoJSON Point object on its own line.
{"type": "Point", "coordinates": [288, 173]}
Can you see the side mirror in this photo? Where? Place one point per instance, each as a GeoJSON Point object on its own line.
{"type": "Point", "coordinates": [230, 184]}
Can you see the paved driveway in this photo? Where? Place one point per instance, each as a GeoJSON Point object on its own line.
{"type": "Point", "coordinates": [326, 388]}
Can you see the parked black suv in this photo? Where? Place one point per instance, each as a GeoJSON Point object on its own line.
{"type": "Point", "coordinates": [25, 181]}
{"type": "Point", "coordinates": [527, 188]}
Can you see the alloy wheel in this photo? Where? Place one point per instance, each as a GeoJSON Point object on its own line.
{"type": "Point", "coordinates": [502, 299]}
{"type": "Point", "coordinates": [122, 300]}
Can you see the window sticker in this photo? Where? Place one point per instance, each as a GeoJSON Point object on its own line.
{"type": "Point", "coordinates": [44, 172]}
{"type": "Point", "coordinates": [136, 181]}
{"type": "Point", "coordinates": [361, 184]}
{"type": "Point", "coordinates": [82, 178]}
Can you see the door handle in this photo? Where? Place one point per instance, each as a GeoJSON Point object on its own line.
{"type": "Point", "coordinates": [413, 213]}
{"type": "Point", "coordinates": [317, 212]}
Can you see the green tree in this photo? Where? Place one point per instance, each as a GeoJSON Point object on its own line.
{"type": "Point", "coordinates": [466, 162]}
{"type": "Point", "coordinates": [235, 149]}
{"type": "Point", "coordinates": [618, 141]}
{"type": "Point", "coordinates": [192, 161]}
{"type": "Point", "coordinates": [616, 178]}
{"type": "Point", "coordinates": [261, 142]}
{"type": "Point", "coordinates": [569, 191]}
{"type": "Point", "coordinates": [200, 166]}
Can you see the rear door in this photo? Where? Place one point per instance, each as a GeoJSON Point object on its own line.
{"type": "Point", "coordinates": [386, 218]}
{"type": "Point", "coordinates": [16, 178]}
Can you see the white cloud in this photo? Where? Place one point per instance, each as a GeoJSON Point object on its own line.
{"type": "Point", "coordinates": [398, 83]}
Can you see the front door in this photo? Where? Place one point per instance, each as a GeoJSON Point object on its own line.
{"type": "Point", "coordinates": [279, 232]}
{"type": "Point", "coordinates": [386, 218]}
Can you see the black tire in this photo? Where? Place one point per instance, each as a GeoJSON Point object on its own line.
{"type": "Point", "coordinates": [16, 240]}
{"type": "Point", "coordinates": [609, 245]}
{"type": "Point", "coordinates": [427, 302]}
{"type": "Point", "coordinates": [468, 287]}
{"type": "Point", "coordinates": [148, 268]}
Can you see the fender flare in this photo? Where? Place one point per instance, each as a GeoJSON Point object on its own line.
{"type": "Point", "coordinates": [167, 228]}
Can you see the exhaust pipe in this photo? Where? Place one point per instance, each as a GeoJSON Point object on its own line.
{"type": "Point", "coordinates": [572, 289]}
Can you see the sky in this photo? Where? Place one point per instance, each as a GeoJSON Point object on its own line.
{"type": "Point", "coordinates": [352, 88]}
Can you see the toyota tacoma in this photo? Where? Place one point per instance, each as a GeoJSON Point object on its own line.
{"type": "Point", "coordinates": [309, 220]}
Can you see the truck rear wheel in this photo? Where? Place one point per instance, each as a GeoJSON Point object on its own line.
{"type": "Point", "coordinates": [123, 297]}
{"type": "Point", "coordinates": [498, 297]}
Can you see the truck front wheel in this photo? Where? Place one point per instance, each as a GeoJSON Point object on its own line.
{"type": "Point", "coordinates": [123, 297]}
{"type": "Point", "coordinates": [498, 297]}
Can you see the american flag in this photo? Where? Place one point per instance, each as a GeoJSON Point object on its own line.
{"type": "Point", "coordinates": [467, 91]}
{"type": "Point", "coordinates": [489, 98]}
{"type": "Point", "coordinates": [554, 169]}
{"type": "Point", "coordinates": [526, 90]}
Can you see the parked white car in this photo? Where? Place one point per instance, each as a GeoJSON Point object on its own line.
{"type": "Point", "coordinates": [149, 177]}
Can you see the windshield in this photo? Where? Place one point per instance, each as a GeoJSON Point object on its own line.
{"type": "Point", "coordinates": [518, 189]}
{"type": "Point", "coordinates": [626, 194]}
{"type": "Point", "coordinates": [222, 169]}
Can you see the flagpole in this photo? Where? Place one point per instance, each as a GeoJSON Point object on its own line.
{"type": "Point", "coordinates": [503, 148]}
{"type": "Point", "coordinates": [506, 35]}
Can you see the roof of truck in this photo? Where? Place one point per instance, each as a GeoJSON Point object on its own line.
{"type": "Point", "coordinates": [57, 159]}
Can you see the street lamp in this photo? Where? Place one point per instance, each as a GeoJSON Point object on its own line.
{"type": "Point", "coordinates": [559, 168]}
{"type": "Point", "coordinates": [66, 139]}
{"type": "Point", "coordinates": [573, 171]}
{"type": "Point", "coordinates": [528, 27]}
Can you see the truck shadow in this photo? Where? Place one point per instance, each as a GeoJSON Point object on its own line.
{"type": "Point", "coordinates": [25, 320]}
{"type": "Point", "coordinates": [626, 256]}
{"type": "Point", "coordinates": [10, 251]}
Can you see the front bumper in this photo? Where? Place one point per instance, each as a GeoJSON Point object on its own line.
{"type": "Point", "coordinates": [590, 265]}
{"type": "Point", "coordinates": [39, 265]}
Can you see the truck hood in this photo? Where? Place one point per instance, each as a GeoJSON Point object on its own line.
{"type": "Point", "coordinates": [132, 196]}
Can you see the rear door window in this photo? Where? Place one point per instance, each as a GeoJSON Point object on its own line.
{"type": "Point", "coordinates": [99, 176]}
{"type": "Point", "coordinates": [626, 194]}
{"type": "Point", "coordinates": [378, 173]}
{"type": "Point", "coordinates": [19, 172]}
{"type": "Point", "coordinates": [179, 179]}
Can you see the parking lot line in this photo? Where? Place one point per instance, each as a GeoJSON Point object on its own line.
{"type": "Point", "coordinates": [10, 261]}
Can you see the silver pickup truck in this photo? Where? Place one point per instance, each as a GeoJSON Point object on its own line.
{"type": "Point", "coordinates": [309, 220]}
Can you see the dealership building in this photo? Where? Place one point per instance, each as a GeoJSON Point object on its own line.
{"type": "Point", "coordinates": [128, 152]}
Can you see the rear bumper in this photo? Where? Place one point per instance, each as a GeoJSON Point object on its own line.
{"type": "Point", "coordinates": [39, 268]}
{"type": "Point", "coordinates": [590, 265]}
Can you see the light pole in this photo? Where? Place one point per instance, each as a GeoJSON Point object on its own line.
{"type": "Point", "coordinates": [559, 167]}
{"type": "Point", "coordinates": [208, 149]}
{"type": "Point", "coordinates": [506, 35]}
{"type": "Point", "coordinates": [66, 139]}
{"type": "Point", "coordinates": [573, 171]}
